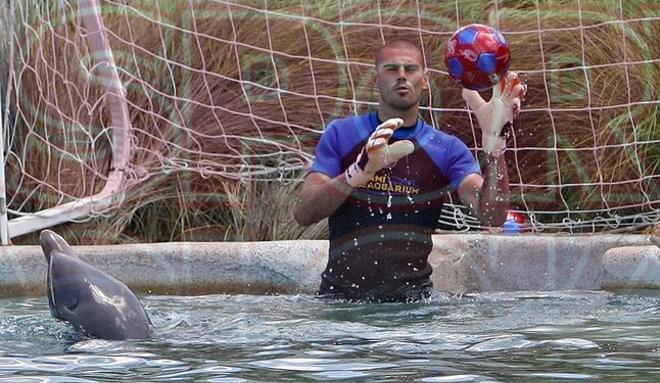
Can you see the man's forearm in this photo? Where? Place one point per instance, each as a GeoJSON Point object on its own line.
{"type": "Point", "coordinates": [320, 198]}
{"type": "Point", "coordinates": [494, 196]}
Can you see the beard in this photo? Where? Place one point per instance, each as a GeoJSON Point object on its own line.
{"type": "Point", "coordinates": [392, 99]}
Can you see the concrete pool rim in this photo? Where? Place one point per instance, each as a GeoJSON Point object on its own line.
{"type": "Point", "coordinates": [462, 263]}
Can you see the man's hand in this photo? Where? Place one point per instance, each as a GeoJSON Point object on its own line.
{"type": "Point", "coordinates": [378, 153]}
{"type": "Point", "coordinates": [493, 115]}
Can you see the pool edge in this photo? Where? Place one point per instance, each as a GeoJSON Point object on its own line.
{"type": "Point", "coordinates": [462, 263]}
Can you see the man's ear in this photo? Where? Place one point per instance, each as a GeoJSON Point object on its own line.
{"type": "Point", "coordinates": [374, 77]}
{"type": "Point", "coordinates": [425, 81]}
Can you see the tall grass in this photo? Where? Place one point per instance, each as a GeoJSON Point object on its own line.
{"type": "Point", "coordinates": [194, 127]}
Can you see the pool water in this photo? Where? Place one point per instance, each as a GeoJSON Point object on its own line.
{"type": "Point", "coordinates": [493, 337]}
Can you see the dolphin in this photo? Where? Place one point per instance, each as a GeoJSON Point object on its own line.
{"type": "Point", "coordinates": [91, 300]}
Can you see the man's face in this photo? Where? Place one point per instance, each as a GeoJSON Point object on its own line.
{"type": "Point", "coordinates": [401, 78]}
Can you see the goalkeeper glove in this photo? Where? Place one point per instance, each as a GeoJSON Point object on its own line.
{"type": "Point", "coordinates": [494, 115]}
{"type": "Point", "coordinates": [378, 153]}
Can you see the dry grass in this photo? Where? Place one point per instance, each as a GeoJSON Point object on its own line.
{"type": "Point", "coordinates": [192, 117]}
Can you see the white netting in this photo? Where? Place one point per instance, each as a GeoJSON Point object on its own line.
{"type": "Point", "coordinates": [223, 90]}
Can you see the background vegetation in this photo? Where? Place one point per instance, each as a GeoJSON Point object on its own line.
{"type": "Point", "coordinates": [567, 65]}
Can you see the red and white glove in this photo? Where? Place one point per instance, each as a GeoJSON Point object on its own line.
{"type": "Point", "coordinates": [378, 153]}
{"type": "Point", "coordinates": [493, 115]}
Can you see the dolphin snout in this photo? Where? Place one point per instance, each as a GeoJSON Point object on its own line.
{"type": "Point", "coordinates": [47, 235]}
{"type": "Point", "coordinates": [51, 241]}
{"type": "Point", "coordinates": [48, 240]}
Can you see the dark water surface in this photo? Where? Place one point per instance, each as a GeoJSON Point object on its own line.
{"type": "Point", "coordinates": [575, 336]}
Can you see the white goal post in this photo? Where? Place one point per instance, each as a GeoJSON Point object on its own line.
{"type": "Point", "coordinates": [105, 73]}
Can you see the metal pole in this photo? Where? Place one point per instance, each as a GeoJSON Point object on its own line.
{"type": "Point", "coordinates": [4, 226]}
{"type": "Point", "coordinates": [4, 121]}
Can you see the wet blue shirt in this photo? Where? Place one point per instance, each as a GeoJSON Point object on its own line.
{"type": "Point", "coordinates": [380, 237]}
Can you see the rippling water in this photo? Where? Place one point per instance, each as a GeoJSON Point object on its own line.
{"type": "Point", "coordinates": [496, 337]}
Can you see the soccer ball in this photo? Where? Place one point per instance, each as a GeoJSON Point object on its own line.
{"type": "Point", "coordinates": [478, 56]}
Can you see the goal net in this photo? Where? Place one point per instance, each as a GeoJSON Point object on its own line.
{"type": "Point", "coordinates": [193, 96]}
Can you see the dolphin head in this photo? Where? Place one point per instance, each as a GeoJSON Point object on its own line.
{"type": "Point", "coordinates": [88, 298]}
{"type": "Point", "coordinates": [53, 246]}
{"type": "Point", "coordinates": [51, 241]}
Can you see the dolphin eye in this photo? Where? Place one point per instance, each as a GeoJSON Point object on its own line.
{"type": "Point", "coordinates": [69, 303]}
{"type": "Point", "coordinates": [72, 307]}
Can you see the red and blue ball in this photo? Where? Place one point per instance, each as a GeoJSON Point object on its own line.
{"type": "Point", "coordinates": [478, 56]}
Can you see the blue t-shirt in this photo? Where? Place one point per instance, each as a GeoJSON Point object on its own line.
{"type": "Point", "coordinates": [380, 237]}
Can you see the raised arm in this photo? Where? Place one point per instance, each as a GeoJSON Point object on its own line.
{"type": "Point", "coordinates": [322, 195]}
{"type": "Point", "coordinates": [488, 196]}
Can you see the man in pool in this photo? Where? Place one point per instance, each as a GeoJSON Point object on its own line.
{"type": "Point", "coordinates": [381, 179]}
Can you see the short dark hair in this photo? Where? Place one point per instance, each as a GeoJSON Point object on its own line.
{"type": "Point", "coordinates": [399, 44]}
